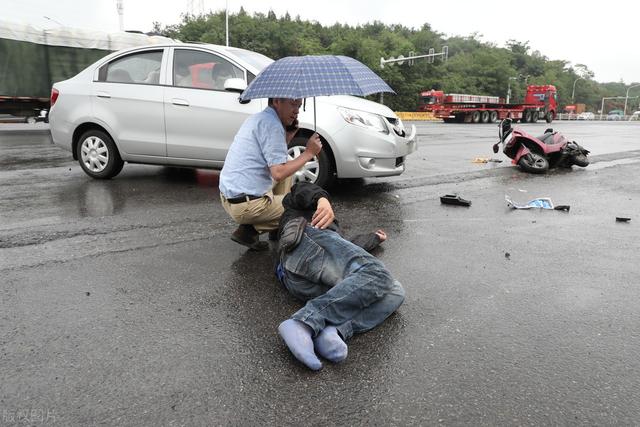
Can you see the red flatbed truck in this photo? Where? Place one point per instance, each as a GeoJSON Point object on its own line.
{"type": "Point", "coordinates": [540, 102]}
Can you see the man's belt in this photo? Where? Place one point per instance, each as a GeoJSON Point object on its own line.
{"type": "Point", "coordinates": [242, 199]}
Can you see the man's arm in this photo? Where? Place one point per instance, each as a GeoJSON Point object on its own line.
{"type": "Point", "coordinates": [309, 197]}
{"type": "Point", "coordinates": [284, 170]}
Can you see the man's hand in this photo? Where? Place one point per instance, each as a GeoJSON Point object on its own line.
{"type": "Point", "coordinates": [314, 145]}
{"type": "Point", "coordinates": [323, 216]}
{"type": "Point", "coordinates": [381, 235]}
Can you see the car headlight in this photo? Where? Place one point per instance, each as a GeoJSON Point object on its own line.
{"type": "Point", "coordinates": [365, 120]}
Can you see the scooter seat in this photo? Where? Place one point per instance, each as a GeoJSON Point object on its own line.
{"type": "Point", "coordinates": [547, 138]}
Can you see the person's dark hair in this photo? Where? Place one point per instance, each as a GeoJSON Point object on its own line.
{"type": "Point", "coordinates": [270, 101]}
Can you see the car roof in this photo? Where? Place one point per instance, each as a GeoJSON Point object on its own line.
{"type": "Point", "coordinates": [223, 50]}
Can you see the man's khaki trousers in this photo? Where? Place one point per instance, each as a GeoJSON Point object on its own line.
{"type": "Point", "coordinates": [264, 213]}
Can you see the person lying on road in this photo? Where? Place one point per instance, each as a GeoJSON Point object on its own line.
{"type": "Point", "coordinates": [345, 288]}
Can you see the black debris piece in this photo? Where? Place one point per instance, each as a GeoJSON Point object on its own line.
{"type": "Point", "coordinates": [454, 199]}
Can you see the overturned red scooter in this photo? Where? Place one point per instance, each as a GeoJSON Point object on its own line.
{"type": "Point", "coordinates": [538, 154]}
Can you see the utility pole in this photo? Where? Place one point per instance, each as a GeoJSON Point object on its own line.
{"type": "Point", "coordinates": [519, 76]}
{"type": "Point", "coordinates": [226, 18]}
{"type": "Point", "coordinates": [573, 93]}
{"type": "Point", "coordinates": [509, 88]}
{"type": "Point", "coordinates": [626, 98]}
{"type": "Point", "coordinates": [120, 9]}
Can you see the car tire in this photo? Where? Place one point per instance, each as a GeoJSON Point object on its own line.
{"type": "Point", "coordinates": [320, 170]}
{"type": "Point", "coordinates": [493, 117]}
{"type": "Point", "coordinates": [534, 163]}
{"type": "Point", "coordinates": [475, 117]}
{"type": "Point", "coordinates": [98, 155]}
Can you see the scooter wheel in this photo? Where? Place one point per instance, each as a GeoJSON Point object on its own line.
{"type": "Point", "coordinates": [534, 163]}
{"type": "Point", "coordinates": [580, 160]}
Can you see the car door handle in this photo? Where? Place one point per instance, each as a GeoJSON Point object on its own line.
{"type": "Point", "coordinates": [103, 95]}
{"type": "Point", "coordinates": [177, 101]}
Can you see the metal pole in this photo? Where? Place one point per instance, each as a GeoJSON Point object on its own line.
{"type": "Point", "coordinates": [601, 108]}
{"type": "Point", "coordinates": [626, 98]}
{"type": "Point", "coordinates": [509, 87]}
{"type": "Point", "coordinates": [227, 21]}
{"type": "Point", "coordinates": [573, 93]}
{"type": "Point", "coordinates": [120, 9]}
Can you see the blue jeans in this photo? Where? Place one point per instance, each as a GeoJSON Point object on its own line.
{"type": "Point", "coordinates": [343, 285]}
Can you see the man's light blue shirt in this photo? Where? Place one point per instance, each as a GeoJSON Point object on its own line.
{"type": "Point", "coordinates": [258, 145]}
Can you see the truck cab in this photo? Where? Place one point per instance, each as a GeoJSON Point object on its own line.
{"type": "Point", "coordinates": [545, 97]}
{"type": "Point", "coordinates": [429, 98]}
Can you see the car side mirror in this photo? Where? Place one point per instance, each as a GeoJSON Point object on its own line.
{"type": "Point", "coordinates": [235, 85]}
{"type": "Point", "coordinates": [496, 147]}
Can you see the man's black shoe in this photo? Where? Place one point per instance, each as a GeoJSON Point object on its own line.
{"type": "Point", "coordinates": [247, 236]}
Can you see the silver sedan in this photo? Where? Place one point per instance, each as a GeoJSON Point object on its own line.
{"type": "Point", "coordinates": [179, 105]}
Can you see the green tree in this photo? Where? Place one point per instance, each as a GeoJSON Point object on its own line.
{"type": "Point", "coordinates": [473, 66]}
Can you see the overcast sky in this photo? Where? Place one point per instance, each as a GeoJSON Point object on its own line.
{"type": "Point", "coordinates": [603, 36]}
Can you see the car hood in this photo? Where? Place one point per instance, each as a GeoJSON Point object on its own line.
{"type": "Point", "coordinates": [355, 103]}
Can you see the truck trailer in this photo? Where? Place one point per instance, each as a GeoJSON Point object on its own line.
{"type": "Point", "coordinates": [540, 102]}
{"type": "Point", "coordinates": [32, 59]}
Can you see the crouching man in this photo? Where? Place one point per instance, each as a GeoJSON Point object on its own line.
{"type": "Point", "coordinates": [346, 289]}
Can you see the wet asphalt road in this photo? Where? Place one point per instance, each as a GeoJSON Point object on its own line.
{"type": "Point", "coordinates": [125, 303]}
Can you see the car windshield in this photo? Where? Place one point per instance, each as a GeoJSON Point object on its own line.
{"type": "Point", "coordinates": [257, 60]}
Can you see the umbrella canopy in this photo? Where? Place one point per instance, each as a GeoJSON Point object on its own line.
{"type": "Point", "coordinates": [309, 76]}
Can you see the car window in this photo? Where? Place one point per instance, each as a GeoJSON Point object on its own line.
{"type": "Point", "coordinates": [140, 68]}
{"type": "Point", "coordinates": [202, 70]}
{"type": "Point", "coordinates": [255, 59]}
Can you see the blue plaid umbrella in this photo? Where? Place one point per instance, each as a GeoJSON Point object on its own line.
{"type": "Point", "coordinates": [306, 76]}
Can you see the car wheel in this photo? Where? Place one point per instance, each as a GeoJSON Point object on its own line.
{"type": "Point", "coordinates": [493, 117]}
{"type": "Point", "coordinates": [98, 155]}
{"type": "Point", "coordinates": [319, 170]}
{"type": "Point", "coordinates": [475, 117]}
{"type": "Point", "coordinates": [534, 163]}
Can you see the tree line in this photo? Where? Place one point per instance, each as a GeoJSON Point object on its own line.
{"type": "Point", "coordinates": [473, 66]}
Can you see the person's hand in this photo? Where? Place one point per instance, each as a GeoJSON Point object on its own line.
{"type": "Point", "coordinates": [314, 145]}
{"type": "Point", "coordinates": [323, 216]}
{"type": "Point", "coordinates": [381, 235]}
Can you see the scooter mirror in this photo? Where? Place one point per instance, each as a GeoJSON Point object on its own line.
{"type": "Point", "coordinates": [496, 147]}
